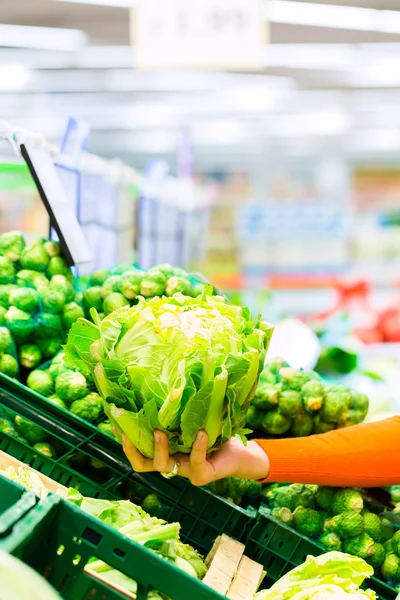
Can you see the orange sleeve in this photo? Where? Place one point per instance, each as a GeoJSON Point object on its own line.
{"type": "Point", "coordinates": [366, 455]}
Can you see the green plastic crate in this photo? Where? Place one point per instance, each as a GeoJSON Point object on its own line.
{"type": "Point", "coordinates": [15, 502]}
{"type": "Point", "coordinates": [202, 515]}
{"type": "Point", "coordinates": [280, 548]}
{"type": "Point", "coordinates": [57, 539]}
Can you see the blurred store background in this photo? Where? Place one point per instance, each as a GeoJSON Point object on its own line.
{"type": "Point", "coordinates": [280, 183]}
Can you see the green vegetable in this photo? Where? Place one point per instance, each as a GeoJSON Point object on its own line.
{"type": "Point", "coordinates": [52, 300]}
{"type": "Point", "coordinates": [58, 266]}
{"type": "Point", "coordinates": [123, 268]}
{"type": "Point", "coordinates": [130, 284]}
{"type": "Point", "coordinates": [71, 386]}
{"type": "Point", "coordinates": [35, 258]}
{"type": "Point", "coordinates": [387, 529]}
{"type": "Point", "coordinates": [60, 283]}
{"type": "Point", "coordinates": [307, 521]}
{"type": "Point", "coordinates": [177, 285]}
{"type": "Point", "coordinates": [58, 402]}
{"type": "Point", "coordinates": [12, 244]}
{"type": "Point", "coordinates": [7, 270]}
{"type": "Point", "coordinates": [292, 379]}
{"type": "Point", "coordinates": [373, 526]}
{"type": "Point", "coordinates": [92, 298]}
{"type": "Point", "coordinates": [52, 248]}
{"type": "Point", "coordinates": [3, 311]}
{"type": "Point", "coordinates": [89, 407]}
{"type": "Point", "coordinates": [336, 360]}
{"type": "Point", "coordinates": [313, 395]}
{"type": "Point", "coordinates": [40, 382]}
{"type": "Point", "coordinates": [266, 397]}
{"type": "Point", "coordinates": [359, 402]}
{"type": "Point", "coordinates": [8, 428]}
{"type": "Point", "coordinates": [395, 494]}
{"type": "Point", "coordinates": [29, 479]}
{"type": "Point", "coordinates": [336, 404]}
{"type": "Point", "coordinates": [153, 284]}
{"type": "Point", "coordinates": [282, 514]}
{"type": "Point", "coordinates": [290, 403]}
{"type": "Point", "coordinates": [347, 499]}
{"type": "Point", "coordinates": [20, 323]}
{"type": "Point", "coordinates": [113, 302]}
{"type": "Point", "coordinates": [106, 427]}
{"type": "Point", "coordinates": [219, 487]}
{"type": "Point", "coordinates": [324, 497]}
{"type": "Point", "coordinates": [46, 449]}
{"type": "Point", "coordinates": [49, 346]}
{"type": "Point", "coordinates": [330, 541]}
{"type": "Point", "coordinates": [177, 364]}
{"type": "Point", "coordinates": [306, 496]}
{"type": "Point", "coordinates": [48, 326]}
{"type": "Point", "coordinates": [24, 298]}
{"type": "Point", "coordinates": [32, 279]}
{"type": "Point", "coordinates": [5, 291]}
{"type": "Point", "coordinates": [321, 426]}
{"type": "Point", "coordinates": [29, 356]}
{"type": "Point", "coordinates": [99, 277]}
{"type": "Point", "coordinates": [302, 425]}
{"type": "Point", "coordinates": [253, 418]}
{"type": "Point", "coordinates": [8, 365]}
{"type": "Point", "coordinates": [112, 284]}
{"type": "Point", "coordinates": [274, 423]}
{"type": "Point", "coordinates": [378, 556]}
{"type": "Point", "coordinates": [362, 546]}
{"type": "Point", "coordinates": [30, 431]}
{"type": "Point", "coordinates": [333, 574]}
{"type": "Point", "coordinates": [350, 524]}
{"type": "Point", "coordinates": [6, 341]}
{"type": "Point", "coordinates": [71, 313]}
{"type": "Point", "coordinates": [390, 568]}
{"type": "Point", "coordinates": [152, 504]}
{"type": "Point", "coordinates": [198, 290]}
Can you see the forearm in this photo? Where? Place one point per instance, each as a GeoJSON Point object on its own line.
{"type": "Point", "coordinates": [365, 455]}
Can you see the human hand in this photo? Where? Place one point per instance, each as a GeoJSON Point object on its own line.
{"type": "Point", "coordinates": [234, 459]}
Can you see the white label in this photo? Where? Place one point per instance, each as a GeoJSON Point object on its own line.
{"type": "Point", "coordinates": [204, 34]}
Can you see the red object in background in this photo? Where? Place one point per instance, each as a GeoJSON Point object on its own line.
{"type": "Point", "coordinates": [389, 322]}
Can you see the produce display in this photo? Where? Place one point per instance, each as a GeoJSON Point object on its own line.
{"type": "Point", "coordinates": [177, 364]}
{"type": "Point", "coordinates": [295, 403]}
{"type": "Point", "coordinates": [38, 302]}
{"type": "Point", "coordinates": [331, 576]}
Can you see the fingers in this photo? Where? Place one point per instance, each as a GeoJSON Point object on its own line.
{"type": "Point", "coordinates": [198, 460]}
{"type": "Point", "coordinates": [162, 462]}
{"type": "Point", "coordinates": [139, 463]}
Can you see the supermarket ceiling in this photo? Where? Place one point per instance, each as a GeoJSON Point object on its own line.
{"type": "Point", "coordinates": [331, 80]}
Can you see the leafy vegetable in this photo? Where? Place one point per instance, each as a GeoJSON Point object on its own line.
{"type": "Point", "coordinates": [178, 364]}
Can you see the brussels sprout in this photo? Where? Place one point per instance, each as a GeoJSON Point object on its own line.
{"type": "Point", "coordinates": [290, 403]}
{"type": "Point", "coordinates": [71, 313]}
{"type": "Point", "coordinates": [113, 302]}
{"type": "Point", "coordinates": [57, 401]}
{"type": "Point", "coordinates": [373, 526]}
{"type": "Point", "coordinates": [46, 449]}
{"type": "Point", "coordinates": [49, 346]}
{"type": "Point", "coordinates": [359, 402]}
{"type": "Point", "coordinates": [35, 258]}
{"type": "Point", "coordinates": [122, 268]}
{"type": "Point", "coordinates": [8, 365]}
{"type": "Point", "coordinates": [60, 283]}
{"type": "Point", "coordinates": [324, 496]}
{"type": "Point", "coordinates": [307, 521]}
{"type": "Point", "coordinates": [6, 341]}
{"type": "Point", "coordinates": [8, 428]}
{"type": "Point", "coordinates": [321, 426]}
{"type": "Point", "coordinates": [56, 368]}
{"type": "Point", "coordinates": [253, 418]}
{"type": "Point", "coordinates": [3, 311]}
{"type": "Point", "coordinates": [167, 270]}
{"type": "Point", "coordinates": [106, 427]}
{"type": "Point", "coordinates": [198, 290]}
{"type": "Point", "coordinates": [7, 270]}
{"type": "Point", "coordinates": [58, 266]}
{"type": "Point", "coordinates": [377, 558]}
{"type": "Point", "coordinates": [92, 298]}
{"type": "Point", "coordinates": [40, 382]}
{"type": "Point", "coordinates": [313, 395]}
{"type": "Point", "coordinates": [48, 325]}
{"type": "Point", "coordinates": [99, 277]}
{"type": "Point", "coordinates": [331, 542]}
{"type": "Point", "coordinates": [177, 285]}
{"type": "Point", "coordinates": [130, 284]}
{"type": "Point", "coordinates": [302, 425]}
{"type": "Point", "coordinates": [71, 386]}
{"type": "Point", "coordinates": [387, 529]}
{"type": "Point", "coordinates": [12, 244]}
{"type": "Point", "coordinates": [112, 284]}
{"type": "Point", "coordinates": [350, 524]}
{"type": "Point", "coordinates": [347, 499]}
{"type": "Point", "coordinates": [152, 504]}
{"type": "Point", "coordinates": [349, 418]}
{"type": "Point", "coordinates": [390, 568]}
{"type": "Point", "coordinates": [31, 279]}
{"type": "Point", "coordinates": [29, 356]}
{"type": "Point", "coordinates": [20, 323]}
{"type": "Point", "coordinates": [52, 300]}
{"type": "Point", "coordinates": [292, 379]}
{"type": "Point", "coordinates": [282, 514]}
{"type": "Point", "coordinates": [275, 365]}
{"type": "Point", "coordinates": [274, 423]}
{"type": "Point", "coordinates": [24, 298]}
{"type": "Point", "coordinates": [52, 248]}
{"type": "Point", "coordinates": [153, 284]}
{"type": "Point", "coordinates": [266, 396]}
{"type": "Point", "coordinates": [336, 405]}
{"type": "Point", "coordinates": [362, 546]}
{"type": "Point", "coordinates": [89, 407]}
{"type": "Point", "coordinates": [30, 431]}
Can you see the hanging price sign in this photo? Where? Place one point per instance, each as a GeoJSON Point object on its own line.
{"type": "Point", "coordinates": [204, 34]}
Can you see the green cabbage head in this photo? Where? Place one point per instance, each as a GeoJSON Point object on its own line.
{"type": "Point", "coordinates": [176, 364]}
